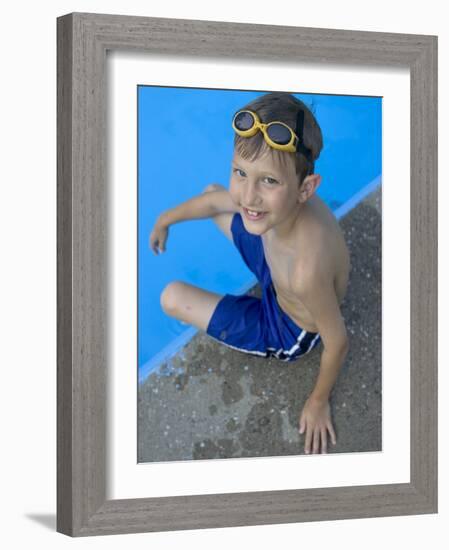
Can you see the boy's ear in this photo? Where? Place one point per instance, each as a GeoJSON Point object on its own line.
{"type": "Point", "coordinates": [308, 187]}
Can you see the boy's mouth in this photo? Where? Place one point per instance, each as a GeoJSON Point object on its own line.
{"type": "Point", "coordinates": [253, 215]}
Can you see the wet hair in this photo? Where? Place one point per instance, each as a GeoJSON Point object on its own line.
{"type": "Point", "coordinates": [284, 107]}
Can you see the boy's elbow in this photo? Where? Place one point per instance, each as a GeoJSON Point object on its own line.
{"type": "Point", "coordinates": [213, 187]}
{"type": "Point", "coordinates": [337, 348]}
{"type": "Point", "coordinates": [340, 347]}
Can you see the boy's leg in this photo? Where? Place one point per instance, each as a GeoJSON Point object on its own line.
{"type": "Point", "coordinates": [189, 303]}
{"type": "Point", "coordinates": [223, 221]}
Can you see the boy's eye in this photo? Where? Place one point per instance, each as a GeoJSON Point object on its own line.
{"type": "Point", "coordinates": [239, 172]}
{"type": "Point", "coordinates": [267, 179]}
{"type": "Point", "coordinates": [270, 181]}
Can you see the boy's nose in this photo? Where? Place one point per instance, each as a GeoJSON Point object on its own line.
{"type": "Point", "coordinates": [250, 197]}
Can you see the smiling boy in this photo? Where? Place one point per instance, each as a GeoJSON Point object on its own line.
{"type": "Point", "coordinates": [288, 238]}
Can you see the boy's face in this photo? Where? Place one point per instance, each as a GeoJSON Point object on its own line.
{"type": "Point", "coordinates": [266, 192]}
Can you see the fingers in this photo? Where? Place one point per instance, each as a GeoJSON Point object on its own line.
{"type": "Point", "coordinates": [152, 241]}
{"type": "Point", "coordinates": [313, 437]}
{"type": "Point", "coordinates": [324, 441]}
{"type": "Point", "coordinates": [302, 423]}
{"type": "Point", "coordinates": [316, 441]}
{"type": "Point", "coordinates": [157, 244]}
{"type": "Point", "coordinates": [316, 438]}
{"type": "Point", "coordinates": [332, 433]}
{"type": "Point", "coordinates": [308, 443]}
{"type": "Point", "coordinates": [318, 429]}
{"type": "Point", "coordinates": [154, 245]}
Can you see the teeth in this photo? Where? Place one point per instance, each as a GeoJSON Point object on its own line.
{"type": "Point", "coordinates": [252, 213]}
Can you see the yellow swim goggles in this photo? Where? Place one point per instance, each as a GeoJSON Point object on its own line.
{"type": "Point", "coordinates": [277, 134]}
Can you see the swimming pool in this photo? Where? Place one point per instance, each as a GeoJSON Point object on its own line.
{"type": "Point", "coordinates": [185, 142]}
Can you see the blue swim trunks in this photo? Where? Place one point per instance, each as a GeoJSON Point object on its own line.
{"type": "Point", "coordinates": [253, 325]}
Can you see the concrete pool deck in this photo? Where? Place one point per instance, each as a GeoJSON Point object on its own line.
{"type": "Point", "coordinates": [210, 401]}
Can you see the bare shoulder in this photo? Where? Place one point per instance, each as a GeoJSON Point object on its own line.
{"type": "Point", "coordinates": [323, 258]}
{"type": "Point", "coordinates": [221, 200]}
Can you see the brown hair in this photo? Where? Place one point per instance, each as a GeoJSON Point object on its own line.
{"type": "Point", "coordinates": [284, 107]}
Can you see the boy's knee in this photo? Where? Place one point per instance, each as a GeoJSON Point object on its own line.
{"type": "Point", "coordinates": [213, 187]}
{"type": "Point", "coordinates": [170, 297]}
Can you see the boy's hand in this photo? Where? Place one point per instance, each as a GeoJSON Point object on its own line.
{"type": "Point", "coordinates": [316, 421]}
{"type": "Point", "coordinates": [158, 237]}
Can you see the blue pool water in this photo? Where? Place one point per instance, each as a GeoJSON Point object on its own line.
{"type": "Point", "coordinates": [185, 142]}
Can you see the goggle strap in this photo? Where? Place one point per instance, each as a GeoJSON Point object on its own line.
{"type": "Point", "coordinates": [300, 123]}
{"type": "Point", "coordinates": [300, 147]}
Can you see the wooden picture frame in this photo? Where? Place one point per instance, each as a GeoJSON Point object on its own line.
{"type": "Point", "coordinates": [83, 40]}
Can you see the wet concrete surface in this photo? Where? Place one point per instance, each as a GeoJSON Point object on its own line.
{"type": "Point", "coordinates": [210, 401]}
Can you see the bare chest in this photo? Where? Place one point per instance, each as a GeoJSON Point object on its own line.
{"type": "Point", "coordinates": [281, 268]}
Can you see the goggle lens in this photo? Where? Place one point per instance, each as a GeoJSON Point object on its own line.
{"type": "Point", "coordinates": [279, 134]}
{"type": "Point", "coordinates": [244, 121]}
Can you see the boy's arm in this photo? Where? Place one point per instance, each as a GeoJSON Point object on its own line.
{"type": "Point", "coordinates": [317, 293]}
{"type": "Point", "coordinates": [206, 205]}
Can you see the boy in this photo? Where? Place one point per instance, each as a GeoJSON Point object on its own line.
{"type": "Point", "coordinates": [290, 240]}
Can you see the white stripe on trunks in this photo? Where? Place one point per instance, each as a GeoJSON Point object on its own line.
{"type": "Point", "coordinates": [312, 342]}
{"type": "Point", "coordinates": [254, 352]}
{"type": "Point", "coordinates": [308, 349]}
{"type": "Point", "coordinates": [292, 349]}
{"type": "Point", "coordinates": [277, 353]}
